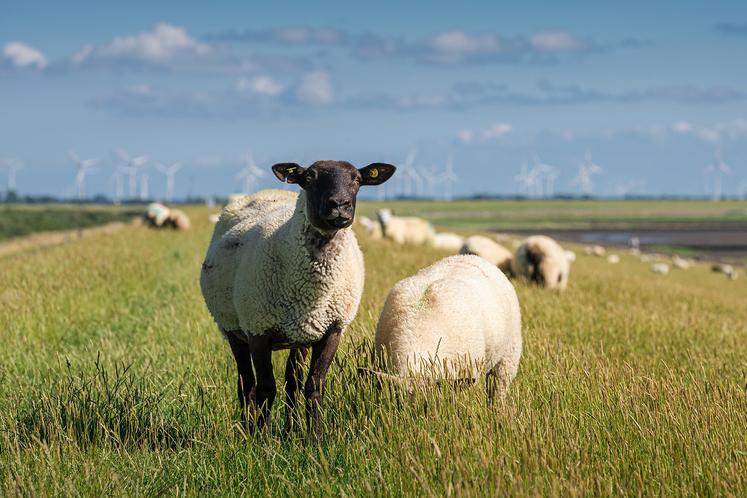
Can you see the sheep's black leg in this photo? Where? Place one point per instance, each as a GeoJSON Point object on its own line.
{"type": "Point", "coordinates": [322, 354]}
{"type": "Point", "coordinates": [293, 382]}
{"type": "Point", "coordinates": [245, 383]}
{"type": "Point", "coordinates": [265, 388]}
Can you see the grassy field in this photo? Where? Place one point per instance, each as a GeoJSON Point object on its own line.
{"type": "Point", "coordinates": [507, 215]}
{"type": "Point", "coordinates": [17, 220]}
{"type": "Point", "coordinates": [115, 382]}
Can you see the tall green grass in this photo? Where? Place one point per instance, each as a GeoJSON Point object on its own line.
{"type": "Point", "coordinates": [114, 381]}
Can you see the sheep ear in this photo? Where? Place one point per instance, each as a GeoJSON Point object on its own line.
{"type": "Point", "coordinates": [376, 173]}
{"type": "Point", "coordinates": [288, 172]}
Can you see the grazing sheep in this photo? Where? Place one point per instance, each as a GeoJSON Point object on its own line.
{"type": "Point", "coordinates": [447, 241]}
{"type": "Point", "coordinates": [570, 256]}
{"type": "Point", "coordinates": [726, 269]}
{"type": "Point", "coordinates": [405, 230]}
{"type": "Point", "coordinates": [284, 271]}
{"type": "Point", "coordinates": [489, 250]}
{"type": "Point", "coordinates": [680, 263]}
{"type": "Point", "coordinates": [213, 218]}
{"type": "Point", "coordinates": [541, 260]}
{"type": "Point", "coordinates": [661, 268]}
{"type": "Point", "coordinates": [613, 259]}
{"type": "Point", "coordinates": [156, 214]}
{"type": "Point", "coordinates": [595, 250]}
{"type": "Point", "coordinates": [178, 220]}
{"type": "Point", "coordinates": [371, 228]}
{"type": "Point", "coordinates": [455, 319]}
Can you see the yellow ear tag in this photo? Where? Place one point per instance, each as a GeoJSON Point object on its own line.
{"type": "Point", "coordinates": [374, 173]}
{"type": "Point", "coordinates": [291, 169]}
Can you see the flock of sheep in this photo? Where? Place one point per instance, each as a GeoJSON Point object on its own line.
{"type": "Point", "coordinates": [284, 271]}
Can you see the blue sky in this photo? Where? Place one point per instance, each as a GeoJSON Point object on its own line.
{"type": "Point", "coordinates": [651, 90]}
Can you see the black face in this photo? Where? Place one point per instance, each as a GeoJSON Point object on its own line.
{"type": "Point", "coordinates": [331, 188]}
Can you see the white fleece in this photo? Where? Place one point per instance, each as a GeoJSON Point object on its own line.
{"type": "Point", "coordinates": [489, 250]}
{"type": "Point", "coordinates": [456, 318]}
{"type": "Point", "coordinates": [264, 274]}
{"type": "Point", "coordinates": [405, 230]}
{"type": "Point", "coordinates": [541, 254]}
{"type": "Point", "coordinates": [448, 241]}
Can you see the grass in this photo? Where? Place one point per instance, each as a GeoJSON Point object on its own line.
{"type": "Point", "coordinates": [566, 214]}
{"type": "Point", "coordinates": [115, 381]}
{"type": "Point", "coordinates": [17, 220]}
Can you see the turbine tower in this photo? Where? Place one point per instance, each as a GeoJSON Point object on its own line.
{"type": "Point", "coordinates": [449, 179]}
{"type": "Point", "coordinates": [408, 175]}
{"type": "Point", "coordinates": [718, 168]}
{"type": "Point", "coordinates": [13, 166]}
{"type": "Point", "coordinates": [585, 172]}
{"type": "Point", "coordinates": [170, 172]}
{"type": "Point", "coordinates": [249, 173]}
{"type": "Point", "coordinates": [545, 176]}
{"type": "Point", "coordinates": [524, 179]}
{"type": "Point", "coordinates": [130, 166]}
{"type": "Point", "coordinates": [84, 167]}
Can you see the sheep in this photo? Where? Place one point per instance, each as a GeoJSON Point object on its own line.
{"type": "Point", "coordinates": [156, 214]}
{"type": "Point", "coordinates": [453, 320]}
{"type": "Point", "coordinates": [613, 259]}
{"type": "Point", "coordinates": [661, 268]}
{"type": "Point", "coordinates": [405, 230]}
{"type": "Point", "coordinates": [680, 263]}
{"type": "Point", "coordinates": [213, 218]}
{"type": "Point", "coordinates": [595, 250]}
{"type": "Point", "coordinates": [489, 250]}
{"type": "Point", "coordinates": [541, 260]}
{"type": "Point", "coordinates": [371, 228]}
{"type": "Point", "coordinates": [570, 256]}
{"type": "Point", "coordinates": [726, 269]}
{"type": "Point", "coordinates": [284, 271]}
{"type": "Point", "coordinates": [178, 220]}
{"type": "Point", "coordinates": [447, 241]}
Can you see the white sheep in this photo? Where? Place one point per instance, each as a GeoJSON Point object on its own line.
{"type": "Point", "coordinates": [680, 262]}
{"type": "Point", "coordinates": [541, 260]}
{"type": "Point", "coordinates": [489, 250]}
{"type": "Point", "coordinates": [595, 250]}
{"type": "Point", "coordinates": [453, 320]}
{"type": "Point", "coordinates": [156, 214]}
{"type": "Point", "coordinates": [660, 268]}
{"type": "Point", "coordinates": [613, 259]}
{"type": "Point", "coordinates": [405, 230]}
{"type": "Point", "coordinates": [726, 269]}
{"type": "Point", "coordinates": [178, 220]}
{"type": "Point", "coordinates": [284, 271]}
{"type": "Point", "coordinates": [447, 241]}
{"type": "Point", "coordinates": [371, 228]}
{"type": "Point", "coordinates": [570, 256]}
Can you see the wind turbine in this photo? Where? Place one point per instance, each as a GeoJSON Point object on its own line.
{"type": "Point", "coordinates": [449, 179]}
{"type": "Point", "coordinates": [84, 167]}
{"type": "Point", "coordinates": [407, 174]}
{"type": "Point", "coordinates": [129, 166]}
{"type": "Point", "coordinates": [170, 172]}
{"type": "Point", "coordinates": [13, 166]}
{"type": "Point", "coordinates": [585, 172]}
{"type": "Point", "coordinates": [524, 179]}
{"type": "Point", "coordinates": [545, 177]}
{"type": "Point", "coordinates": [719, 168]}
{"type": "Point", "coordinates": [249, 173]}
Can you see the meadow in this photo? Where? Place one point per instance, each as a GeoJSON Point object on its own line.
{"type": "Point", "coordinates": [114, 381]}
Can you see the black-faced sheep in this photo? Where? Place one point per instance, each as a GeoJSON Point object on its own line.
{"type": "Point", "coordinates": [541, 260]}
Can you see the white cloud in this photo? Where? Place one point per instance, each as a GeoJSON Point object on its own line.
{"type": "Point", "coordinates": [459, 42]}
{"type": "Point", "coordinates": [22, 55]}
{"type": "Point", "coordinates": [162, 44]}
{"type": "Point", "coordinates": [712, 134]}
{"type": "Point", "coordinates": [465, 136]}
{"type": "Point", "coordinates": [497, 130]}
{"type": "Point", "coordinates": [555, 41]}
{"type": "Point", "coordinates": [316, 89]}
{"type": "Point", "coordinates": [493, 132]}
{"type": "Point", "coordinates": [260, 85]}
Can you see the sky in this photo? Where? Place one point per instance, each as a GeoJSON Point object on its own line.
{"type": "Point", "coordinates": [651, 91]}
